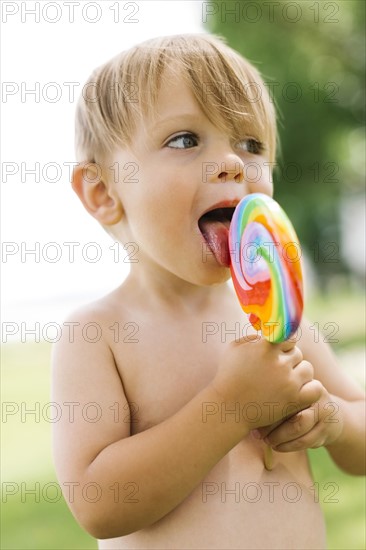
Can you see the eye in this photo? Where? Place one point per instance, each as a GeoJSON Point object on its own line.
{"type": "Point", "coordinates": [183, 141]}
{"type": "Point", "coordinates": [250, 145]}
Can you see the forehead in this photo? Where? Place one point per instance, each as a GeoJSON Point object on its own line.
{"type": "Point", "coordinates": [189, 96]}
{"type": "Point", "coordinates": [211, 82]}
{"type": "Point", "coordinates": [174, 98]}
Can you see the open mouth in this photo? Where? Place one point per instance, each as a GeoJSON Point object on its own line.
{"type": "Point", "coordinates": [222, 215]}
{"type": "Point", "coordinates": [214, 226]}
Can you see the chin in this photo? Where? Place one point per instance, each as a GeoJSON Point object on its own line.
{"type": "Point", "coordinates": [215, 276]}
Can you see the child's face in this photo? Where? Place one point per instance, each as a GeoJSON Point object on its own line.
{"type": "Point", "coordinates": [183, 167]}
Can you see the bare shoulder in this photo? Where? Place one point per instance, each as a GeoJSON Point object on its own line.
{"type": "Point", "coordinates": [84, 353]}
{"type": "Point", "coordinates": [87, 386]}
{"type": "Point", "coordinates": [95, 322]}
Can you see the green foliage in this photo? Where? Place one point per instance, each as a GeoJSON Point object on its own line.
{"type": "Point", "coordinates": [311, 56]}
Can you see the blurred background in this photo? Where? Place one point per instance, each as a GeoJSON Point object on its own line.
{"type": "Point", "coordinates": [311, 56]}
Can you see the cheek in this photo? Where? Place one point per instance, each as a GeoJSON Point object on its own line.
{"type": "Point", "coordinates": [259, 177]}
{"type": "Point", "coordinates": [158, 208]}
{"type": "Point", "coordinates": [167, 191]}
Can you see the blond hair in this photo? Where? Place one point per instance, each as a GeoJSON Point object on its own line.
{"type": "Point", "coordinates": [228, 89]}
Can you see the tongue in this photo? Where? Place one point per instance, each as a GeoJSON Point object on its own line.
{"type": "Point", "coordinates": [216, 234]}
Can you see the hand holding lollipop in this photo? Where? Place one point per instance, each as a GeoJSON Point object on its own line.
{"type": "Point", "coordinates": [266, 270]}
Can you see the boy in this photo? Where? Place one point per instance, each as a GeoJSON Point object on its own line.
{"type": "Point", "coordinates": [164, 447]}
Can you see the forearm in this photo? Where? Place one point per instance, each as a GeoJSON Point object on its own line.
{"type": "Point", "coordinates": [348, 451]}
{"type": "Point", "coordinates": [164, 464]}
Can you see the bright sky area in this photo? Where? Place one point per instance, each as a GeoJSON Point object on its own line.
{"type": "Point", "coordinates": [37, 134]}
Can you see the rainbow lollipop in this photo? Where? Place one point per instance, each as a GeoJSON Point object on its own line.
{"type": "Point", "coordinates": [266, 270]}
{"type": "Point", "coordinates": [265, 266]}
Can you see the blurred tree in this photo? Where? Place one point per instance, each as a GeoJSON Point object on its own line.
{"type": "Point", "coordinates": [311, 56]}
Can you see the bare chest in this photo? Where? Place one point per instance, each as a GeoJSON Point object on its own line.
{"type": "Point", "coordinates": [165, 366]}
{"type": "Point", "coordinates": [162, 367]}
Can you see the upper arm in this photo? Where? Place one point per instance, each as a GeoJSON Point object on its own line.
{"type": "Point", "coordinates": [326, 367]}
{"type": "Point", "coordinates": [89, 396]}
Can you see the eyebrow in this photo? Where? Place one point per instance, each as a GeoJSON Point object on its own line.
{"type": "Point", "coordinates": [185, 118]}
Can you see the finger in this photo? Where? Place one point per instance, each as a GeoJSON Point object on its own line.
{"type": "Point", "coordinates": [313, 439]}
{"type": "Point", "coordinates": [287, 345]}
{"type": "Point", "coordinates": [305, 371]}
{"type": "Point", "coordinates": [310, 393]}
{"type": "Point", "coordinates": [274, 430]}
{"type": "Point", "coordinates": [295, 355]}
{"type": "Point", "coordinates": [261, 433]}
{"type": "Point", "coordinates": [293, 428]}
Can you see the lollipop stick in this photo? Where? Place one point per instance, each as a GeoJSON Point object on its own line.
{"type": "Point", "coordinates": [269, 290]}
{"type": "Point", "coordinates": [268, 458]}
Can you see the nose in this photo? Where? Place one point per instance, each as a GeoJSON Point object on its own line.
{"type": "Point", "coordinates": [232, 171]}
{"type": "Point", "coordinates": [229, 170]}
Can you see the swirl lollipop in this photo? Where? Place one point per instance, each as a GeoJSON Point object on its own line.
{"type": "Point", "coordinates": [266, 270]}
{"type": "Point", "coordinates": [265, 266]}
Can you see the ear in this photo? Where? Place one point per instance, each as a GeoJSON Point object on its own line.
{"type": "Point", "coordinates": [102, 203]}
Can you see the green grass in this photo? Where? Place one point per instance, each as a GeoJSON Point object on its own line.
{"type": "Point", "coordinates": [342, 498]}
{"type": "Point", "coordinates": [41, 526]}
{"type": "Point", "coordinates": [26, 458]}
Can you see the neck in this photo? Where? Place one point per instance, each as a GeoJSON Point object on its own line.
{"type": "Point", "coordinates": [165, 290]}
